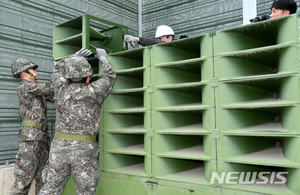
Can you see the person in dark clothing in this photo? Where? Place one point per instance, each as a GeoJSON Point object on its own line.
{"type": "Point", "coordinates": [163, 34]}
{"type": "Point", "coordinates": [281, 8]}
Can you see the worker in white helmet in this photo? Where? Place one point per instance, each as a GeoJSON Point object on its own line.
{"type": "Point", "coordinates": [163, 33]}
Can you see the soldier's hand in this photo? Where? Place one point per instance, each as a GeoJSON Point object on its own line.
{"type": "Point", "coordinates": [100, 54]}
{"type": "Point", "coordinates": [83, 52]}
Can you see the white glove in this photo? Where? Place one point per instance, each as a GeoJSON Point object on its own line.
{"type": "Point", "coordinates": [130, 40]}
{"type": "Point", "coordinates": [100, 54]}
{"type": "Point", "coordinates": [83, 52]}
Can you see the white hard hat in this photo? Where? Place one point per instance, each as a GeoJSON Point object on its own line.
{"type": "Point", "coordinates": [163, 30]}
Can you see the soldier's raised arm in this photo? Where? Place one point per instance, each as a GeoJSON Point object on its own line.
{"type": "Point", "coordinates": [105, 82]}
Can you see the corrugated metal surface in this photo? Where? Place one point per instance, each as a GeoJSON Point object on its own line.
{"type": "Point", "coordinates": [195, 17]}
{"type": "Point", "coordinates": [263, 6]}
{"type": "Point", "coordinates": [191, 17]}
{"type": "Point", "coordinates": [26, 31]}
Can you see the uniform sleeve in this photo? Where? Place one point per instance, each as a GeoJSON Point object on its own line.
{"type": "Point", "coordinates": [41, 89]}
{"type": "Point", "coordinates": [58, 75]}
{"type": "Point", "coordinates": [105, 83]}
{"type": "Point", "coordinates": [144, 41]}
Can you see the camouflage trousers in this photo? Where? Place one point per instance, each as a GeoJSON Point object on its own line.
{"type": "Point", "coordinates": [30, 160]}
{"type": "Point", "coordinates": [70, 157]}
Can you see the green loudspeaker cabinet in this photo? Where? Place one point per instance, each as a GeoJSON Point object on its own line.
{"type": "Point", "coordinates": [281, 120]}
{"type": "Point", "coordinates": [194, 115]}
{"type": "Point", "coordinates": [126, 116]}
{"type": "Point", "coordinates": [260, 150]}
{"type": "Point", "coordinates": [257, 104]}
{"type": "Point", "coordinates": [266, 34]}
{"type": "Point", "coordinates": [88, 32]}
{"type": "Point", "coordinates": [271, 91]}
{"type": "Point", "coordinates": [224, 102]}
{"type": "Point", "coordinates": [267, 61]}
{"type": "Point", "coordinates": [272, 179]}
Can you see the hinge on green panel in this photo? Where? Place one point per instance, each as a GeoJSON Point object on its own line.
{"type": "Point", "coordinates": [152, 184]}
{"type": "Point", "coordinates": [214, 81]}
{"type": "Point", "coordinates": [215, 133]}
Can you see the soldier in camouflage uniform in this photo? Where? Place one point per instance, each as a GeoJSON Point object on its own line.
{"type": "Point", "coordinates": [33, 137]}
{"type": "Point", "coordinates": [78, 103]}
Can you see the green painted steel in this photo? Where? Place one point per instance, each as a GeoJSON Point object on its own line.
{"type": "Point", "coordinates": [221, 102]}
{"type": "Point", "coordinates": [78, 33]}
{"type": "Point", "coordinates": [127, 145]}
{"type": "Point", "coordinates": [257, 102]}
{"type": "Point", "coordinates": [183, 111]}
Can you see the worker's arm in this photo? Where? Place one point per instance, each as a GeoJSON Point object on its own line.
{"type": "Point", "coordinates": [145, 41]}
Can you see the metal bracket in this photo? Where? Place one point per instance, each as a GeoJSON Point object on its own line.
{"type": "Point", "coordinates": [212, 34]}
{"type": "Point", "coordinates": [150, 88]}
{"type": "Point", "coordinates": [214, 82]}
{"type": "Point", "coordinates": [216, 133]}
{"type": "Point", "coordinates": [152, 184]}
{"type": "Point", "coordinates": [108, 37]}
{"type": "Point", "coordinates": [151, 133]}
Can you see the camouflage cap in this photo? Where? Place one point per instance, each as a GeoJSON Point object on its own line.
{"type": "Point", "coordinates": [20, 65]}
{"type": "Point", "coordinates": [78, 67]}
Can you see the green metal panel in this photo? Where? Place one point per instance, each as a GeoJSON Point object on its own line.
{"type": "Point", "coordinates": [118, 184]}
{"type": "Point", "coordinates": [277, 121]}
{"type": "Point", "coordinates": [221, 102]}
{"type": "Point", "coordinates": [127, 115]}
{"type": "Point", "coordinates": [273, 60]}
{"type": "Point", "coordinates": [289, 188]}
{"type": "Point", "coordinates": [257, 102]}
{"type": "Point", "coordinates": [183, 169]}
{"type": "Point", "coordinates": [254, 36]}
{"type": "Point", "coordinates": [183, 105]}
{"type": "Point", "coordinates": [270, 91]}
{"type": "Point", "coordinates": [265, 150]}
{"type": "Point", "coordinates": [112, 186]}
{"type": "Point", "coordinates": [78, 33]}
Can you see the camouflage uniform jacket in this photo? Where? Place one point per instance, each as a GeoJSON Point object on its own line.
{"type": "Point", "coordinates": [78, 104]}
{"type": "Point", "coordinates": [33, 107]}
